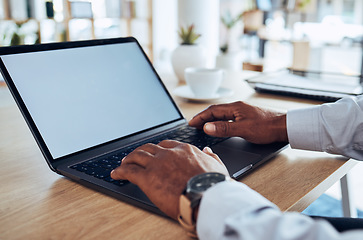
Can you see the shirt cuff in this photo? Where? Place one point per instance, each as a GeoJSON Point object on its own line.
{"type": "Point", "coordinates": [303, 128]}
{"type": "Point", "coordinates": [223, 200]}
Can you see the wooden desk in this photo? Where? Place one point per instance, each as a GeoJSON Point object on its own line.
{"type": "Point", "coordinates": [36, 203]}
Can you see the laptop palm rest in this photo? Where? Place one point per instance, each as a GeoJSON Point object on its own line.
{"type": "Point", "coordinates": [235, 155]}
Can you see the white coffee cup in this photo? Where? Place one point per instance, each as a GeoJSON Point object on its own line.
{"type": "Point", "coordinates": [204, 82]}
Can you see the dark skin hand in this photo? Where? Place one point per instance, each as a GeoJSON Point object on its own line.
{"type": "Point", "coordinates": [239, 119]}
{"type": "Point", "coordinates": [162, 171]}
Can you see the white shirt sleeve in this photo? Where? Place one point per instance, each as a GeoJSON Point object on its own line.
{"type": "Point", "coordinates": [334, 128]}
{"type": "Point", "coordinates": [231, 210]}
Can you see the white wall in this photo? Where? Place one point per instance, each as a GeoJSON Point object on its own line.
{"type": "Point", "coordinates": [166, 24]}
{"type": "Point", "coordinates": [165, 36]}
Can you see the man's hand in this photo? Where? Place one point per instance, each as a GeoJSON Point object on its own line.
{"type": "Point", "coordinates": [239, 119]}
{"type": "Point", "coordinates": [162, 171]}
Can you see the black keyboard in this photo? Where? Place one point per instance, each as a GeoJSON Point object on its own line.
{"type": "Point", "coordinates": [102, 167]}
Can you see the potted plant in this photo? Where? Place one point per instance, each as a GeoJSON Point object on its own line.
{"type": "Point", "coordinates": [188, 54]}
{"type": "Point", "coordinates": [21, 32]}
{"type": "Point", "coordinates": [228, 57]}
{"type": "Point", "coordinates": [14, 35]}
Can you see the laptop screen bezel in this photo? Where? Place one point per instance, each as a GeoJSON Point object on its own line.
{"type": "Point", "coordinates": [92, 151]}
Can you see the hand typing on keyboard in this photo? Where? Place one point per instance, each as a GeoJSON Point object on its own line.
{"type": "Point", "coordinates": [239, 119]}
{"type": "Point", "coordinates": [102, 166]}
{"type": "Point", "coordinates": [162, 171]}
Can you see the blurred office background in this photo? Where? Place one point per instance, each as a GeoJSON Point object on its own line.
{"type": "Point", "coordinates": [275, 33]}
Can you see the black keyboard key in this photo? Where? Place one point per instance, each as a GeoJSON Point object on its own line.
{"type": "Point", "coordinates": [102, 173]}
{"type": "Point", "coordinates": [120, 182]}
{"type": "Point", "coordinates": [109, 179]}
{"type": "Point", "coordinates": [91, 171]}
{"type": "Point", "coordinates": [116, 182]}
{"type": "Point", "coordinates": [101, 168]}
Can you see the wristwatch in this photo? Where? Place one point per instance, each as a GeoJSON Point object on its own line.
{"type": "Point", "coordinates": [191, 196]}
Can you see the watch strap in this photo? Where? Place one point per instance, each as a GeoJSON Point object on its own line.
{"type": "Point", "coordinates": [185, 217]}
{"type": "Point", "coordinates": [188, 203]}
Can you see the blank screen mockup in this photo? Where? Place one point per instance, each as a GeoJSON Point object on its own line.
{"type": "Point", "coordinates": [82, 97]}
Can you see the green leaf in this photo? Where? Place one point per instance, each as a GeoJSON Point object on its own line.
{"type": "Point", "coordinates": [188, 35]}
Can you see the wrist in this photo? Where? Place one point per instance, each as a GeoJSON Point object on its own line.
{"type": "Point", "coordinates": [280, 128]}
{"type": "Point", "coordinates": [190, 198]}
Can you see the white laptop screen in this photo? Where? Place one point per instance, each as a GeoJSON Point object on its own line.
{"type": "Point", "coordinates": [83, 97]}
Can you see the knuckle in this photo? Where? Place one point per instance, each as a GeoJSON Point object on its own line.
{"type": "Point", "coordinates": [137, 154]}
{"type": "Point", "coordinates": [168, 142]}
{"type": "Point", "coordinates": [239, 104]}
{"type": "Point", "coordinates": [186, 147]}
{"type": "Point", "coordinates": [212, 107]}
{"type": "Point", "coordinates": [142, 147]}
{"type": "Point", "coordinates": [148, 145]}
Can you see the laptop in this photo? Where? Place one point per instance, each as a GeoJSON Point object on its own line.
{"type": "Point", "coordinates": [90, 103]}
{"type": "Point", "coordinates": [328, 87]}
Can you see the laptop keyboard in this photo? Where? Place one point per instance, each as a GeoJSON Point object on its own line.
{"type": "Point", "coordinates": [102, 167]}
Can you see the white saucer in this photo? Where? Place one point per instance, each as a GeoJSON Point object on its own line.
{"type": "Point", "coordinates": [185, 92]}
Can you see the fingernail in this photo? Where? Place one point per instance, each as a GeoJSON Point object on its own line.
{"type": "Point", "coordinates": [112, 172]}
{"type": "Point", "coordinates": [207, 150]}
{"type": "Point", "coordinates": [210, 127]}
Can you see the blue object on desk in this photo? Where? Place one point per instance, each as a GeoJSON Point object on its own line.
{"type": "Point", "coordinates": [327, 206]}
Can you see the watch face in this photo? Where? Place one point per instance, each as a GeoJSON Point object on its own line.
{"type": "Point", "coordinates": [201, 183]}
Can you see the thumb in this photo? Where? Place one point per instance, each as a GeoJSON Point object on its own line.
{"type": "Point", "coordinates": [208, 150]}
{"type": "Point", "coordinates": [218, 129]}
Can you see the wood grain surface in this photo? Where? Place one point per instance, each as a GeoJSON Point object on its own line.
{"type": "Point", "coordinates": [36, 203]}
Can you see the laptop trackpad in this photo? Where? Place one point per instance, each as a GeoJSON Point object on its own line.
{"type": "Point", "coordinates": [236, 160]}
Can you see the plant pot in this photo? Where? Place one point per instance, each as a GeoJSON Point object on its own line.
{"type": "Point", "coordinates": [202, 14]}
{"type": "Point", "coordinates": [185, 56]}
{"type": "Point", "coordinates": [231, 61]}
